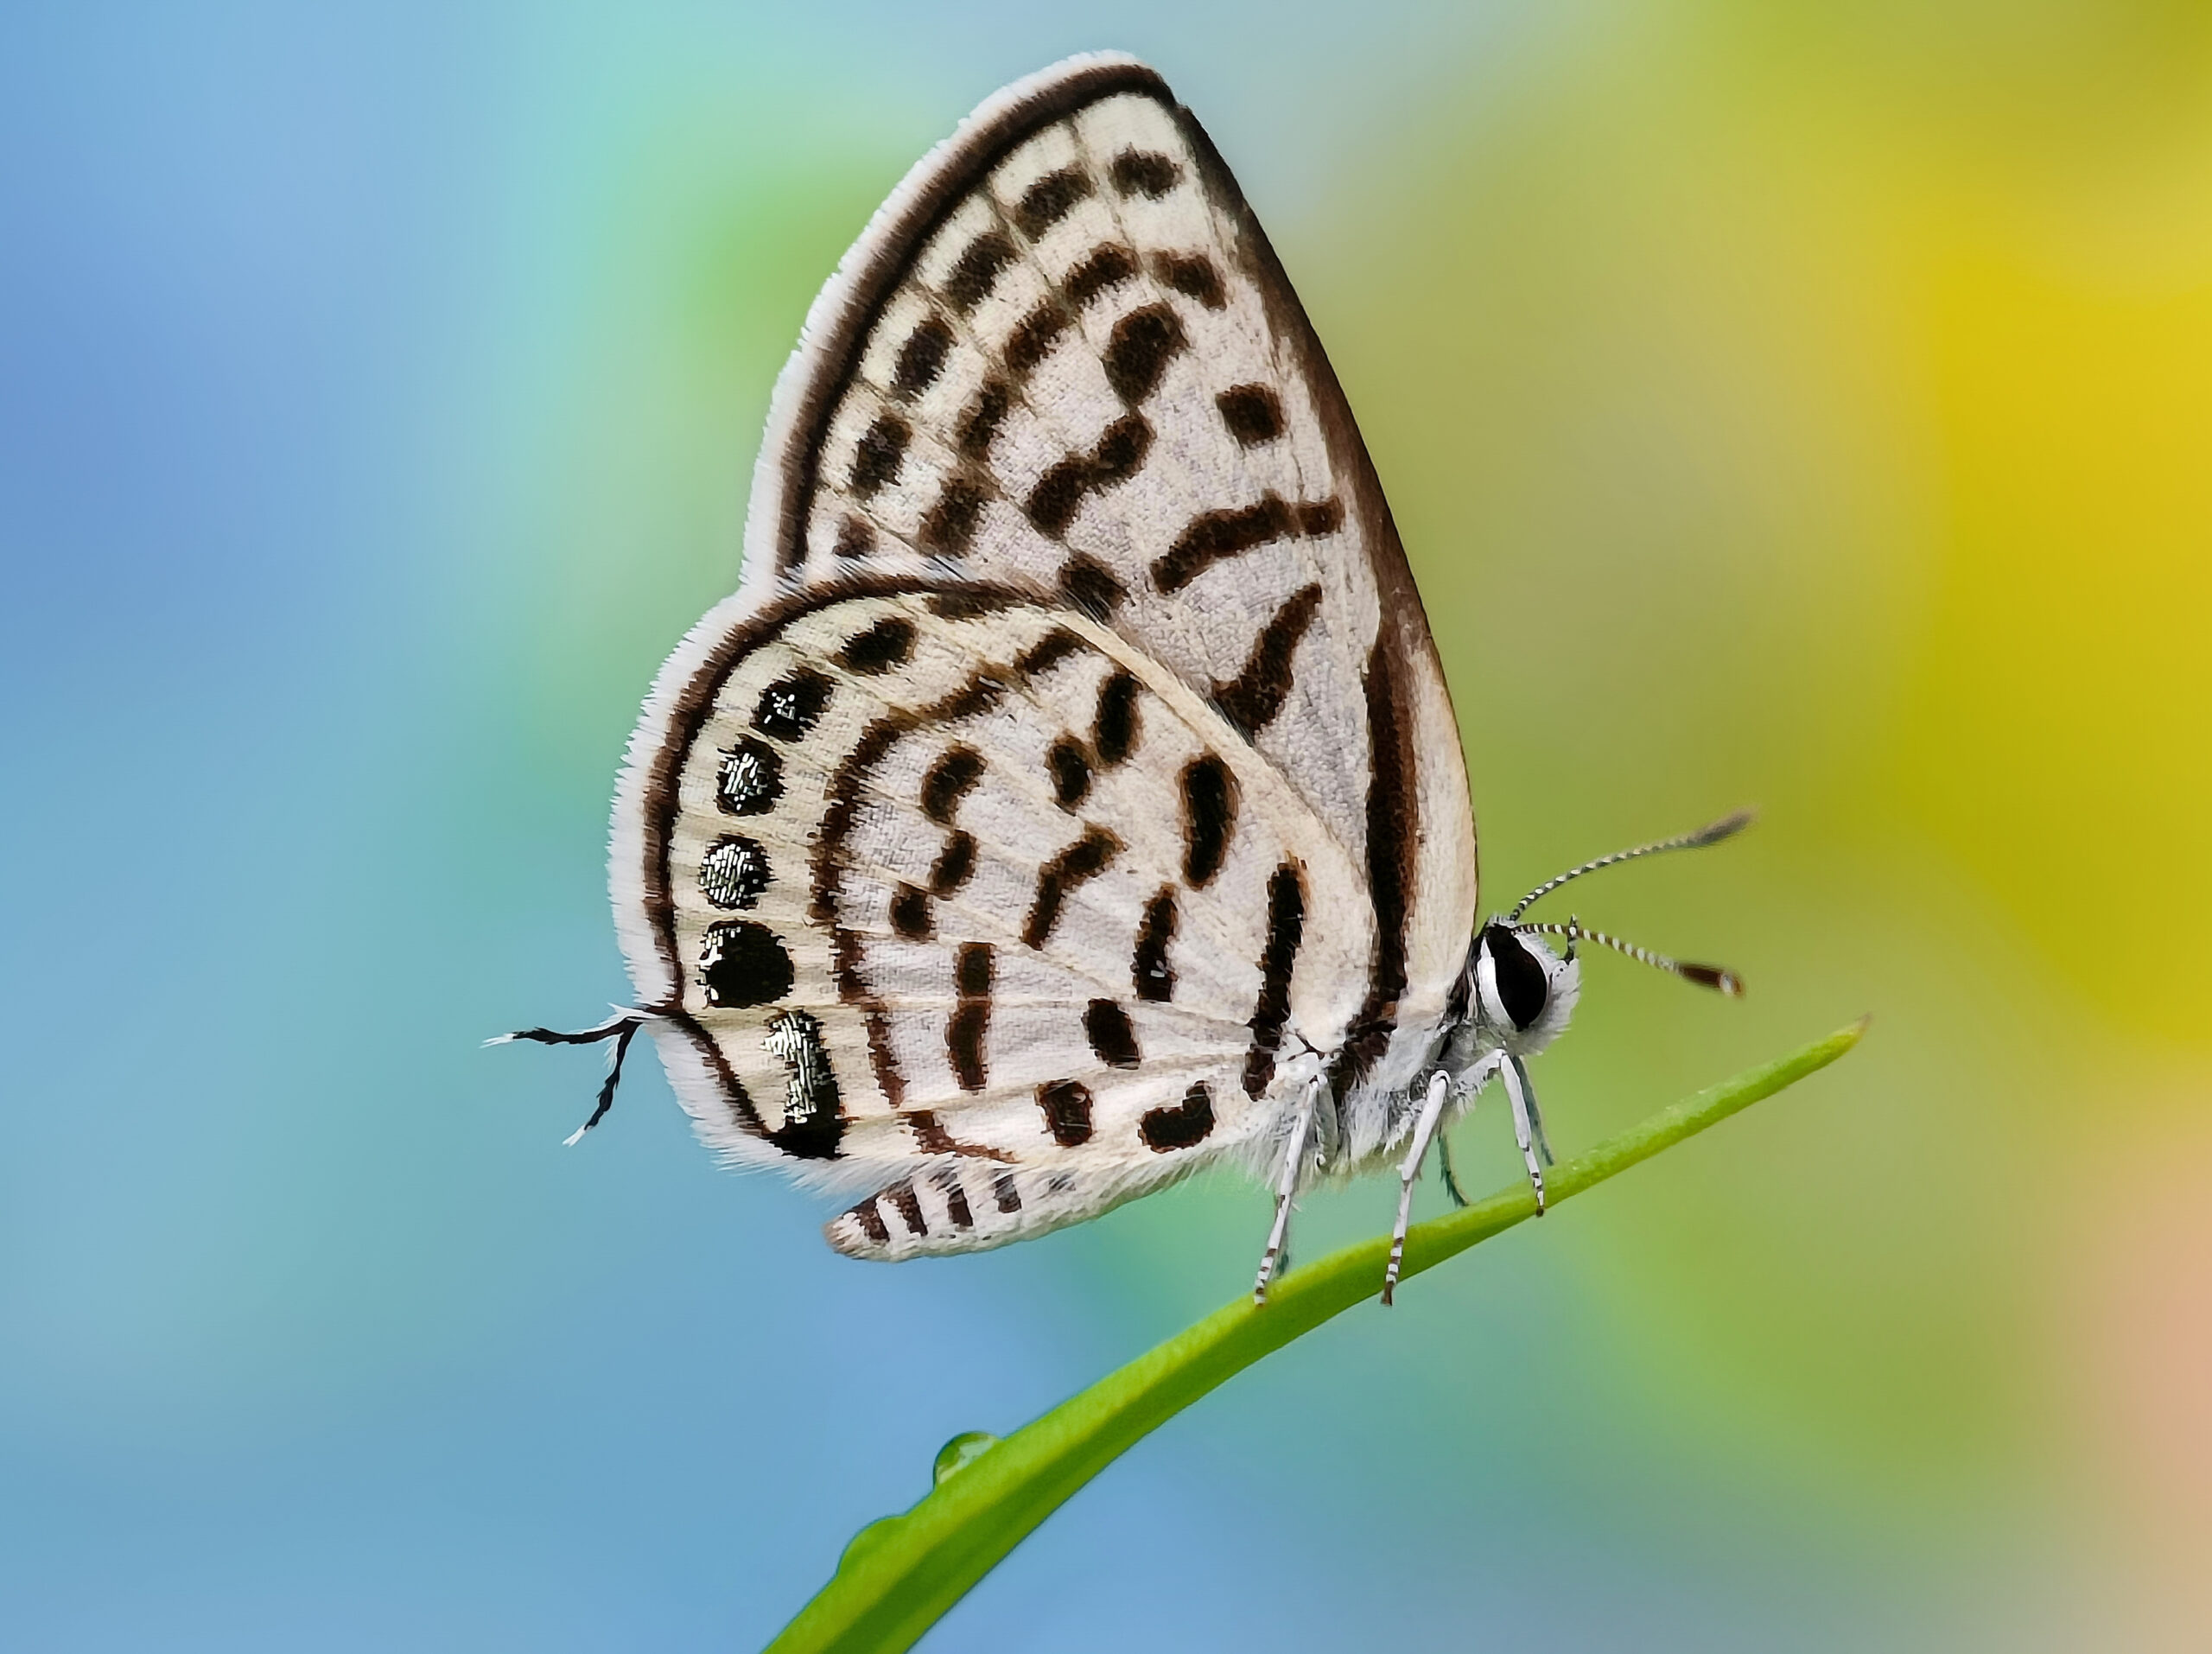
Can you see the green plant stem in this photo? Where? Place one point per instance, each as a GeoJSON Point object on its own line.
{"type": "Point", "coordinates": [902, 1573]}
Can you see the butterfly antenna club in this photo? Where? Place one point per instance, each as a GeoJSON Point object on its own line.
{"type": "Point", "coordinates": [1726, 827]}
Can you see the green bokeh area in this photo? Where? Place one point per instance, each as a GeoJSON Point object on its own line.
{"type": "Point", "coordinates": [1800, 408]}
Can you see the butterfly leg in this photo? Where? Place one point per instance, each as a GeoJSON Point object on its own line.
{"type": "Point", "coordinates": [1432, 1112]}
{"type": "Point", "coordinates": [1527, 1127]}
{"type": "Point", "coordinates": [1287, 1191]}
{"type": "Point", "coordinates": [1457, 1195]}
{"type": "Point", "coordinates": [621, 1027]}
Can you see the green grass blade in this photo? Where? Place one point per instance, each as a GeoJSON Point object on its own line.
{"type": "Point", "coordinates": [900, 1575]}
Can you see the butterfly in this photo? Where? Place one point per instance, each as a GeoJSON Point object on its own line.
{"type": "Point", "coordinates": [1069, 798]}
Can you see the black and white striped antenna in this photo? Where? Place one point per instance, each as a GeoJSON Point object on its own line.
{"type": "Point", "coordinates": [1726, 827]}
{"type": "Point", "coordinates": [1706, 976]}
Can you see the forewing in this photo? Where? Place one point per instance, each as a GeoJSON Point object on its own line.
{"type": "Point", "coordinates": [1064, 355]}
{"type": "Point", "coordinates": [953, 890]}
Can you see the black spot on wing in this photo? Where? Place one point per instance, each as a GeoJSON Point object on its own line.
{"type": "Point", "coordinates": [1090, 586]}
{"type": "Point", "coordinates": [793, 704]}
{"type": "Point", "coordinates": [749, 779]}
{"type": "Point", "coordinates": [1047, 652]}
{"type": "Point", "coordinates": [1115, 725]}
{"type": "Point", "coordinates": [1252, 699]}
{"type": "Point", "coordinates": [980, 423]}
{"type": "Point", "coordinates": [1144, 171]}
{"type": "Point", "coordinates": [1192, 275]}
{"type": "Point", "coordinates": [1034, 336]}
{"type": "Point", "coordinates": [1285, 929]}
{"type": "Point", "coordinates": [869, 1216]}
{"type": "Point", "coordinates": [1152, 976]}
{"type": "Point", "coordinates": [1138, 351]}
{"type": "Point", "coordinates": [1118, 456]}
{"type": "Point", "coordinates": [978, 270]}
{"type": "Point", "coordinates": [813, 1121]}
{"type": "Point", "coordinates": [1071, 769]}
{"type": "Point", "coordinates": [910, 913]}
{"type": "Point", "coordinates": [733, 872]}
{"type": "Point", "coordinates": [1113, 1038]}
{"type": "Point", "coordinates": [855, 538]}
{"type": "Point", "coordinates": [743, 963]}
{"type": "Point", "coordinates": [1004, 1194]}
{"type": "Point", "coordinates": [880, 452]}
{"type": "Point", "coordinates": [949, 530]}
{"type": "Point", "coordinates": [921, 358]}
{"type": "Point", "coordinates": [887, 643]}
{"type": "Point", "coordinates": [1084, 860]}
{"type": "Point", "coordinates": [1066, 1108]}
{"type": "Point", "coordinates": [1185, 1126]}
{"type": "Point", "coordinates": [1253, 413]}
{"type": "Point", "coordinates": [1106, 267]}
{"type": "Point", "coordinates": [964, 1031]}
{"type": "Point", "coordinates": [1050, 199]}
{"type": "Point", "coordinates": [1209, 818]}
{"type": "Point", "coordinates": [1214, 535]}
{"type": "Point", "coordinates": [948, 781]}
{"type": "Point", "coordinates": [953, 865]}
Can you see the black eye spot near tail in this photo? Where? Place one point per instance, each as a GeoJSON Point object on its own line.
{"type": "Point", "coordinates": [1523, 987]}
{"type": "Point", "coordinates": [792, 705]}
{"type": "Point", "coordinates": [733, 872]}
{"type": "Point", "coordinates": [750, 779]}
{"type": "Point", "coordinates": [813, 1121]}
{"type": "Point", "coordinates": [742, 964]}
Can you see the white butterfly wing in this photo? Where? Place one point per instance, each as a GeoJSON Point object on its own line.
{"type": "Point", "coordinates": [960, 892]}
{"type": "Point", "coordinates": [1064, 360]}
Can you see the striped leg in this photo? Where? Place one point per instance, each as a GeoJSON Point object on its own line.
{"type": "Point", "coordinates": [1286, 1190]}
{"type": "Point", "coordinates": [1528, 1126]}
{"type": "Point", "coordinates": [1431, 1112]}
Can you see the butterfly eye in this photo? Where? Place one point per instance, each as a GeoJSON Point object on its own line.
{"type": "Point", "coordinates": [1524, 989]}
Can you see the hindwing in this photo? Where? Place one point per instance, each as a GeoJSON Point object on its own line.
{"type": "Point", "coordinates": [951, 887]}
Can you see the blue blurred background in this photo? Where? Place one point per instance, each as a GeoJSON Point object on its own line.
{"type": "Point", "coordinates": [1802, 405]}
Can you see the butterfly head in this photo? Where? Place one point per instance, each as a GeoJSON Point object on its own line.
{"type": "Point", "coordinates": [1523, 992]}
